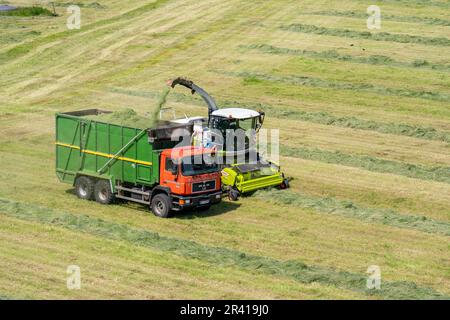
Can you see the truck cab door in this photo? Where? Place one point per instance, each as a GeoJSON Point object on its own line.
{"type": "Point", "coordinates": [170, 174]}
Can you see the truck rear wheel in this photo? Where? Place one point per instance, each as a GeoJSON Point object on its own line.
{"type": "Point", "coordinates": [161, 205]}
{"type": "Point", "coordinates": [84, 187]}
{"type": "Point", "coordinates": [103, 193]}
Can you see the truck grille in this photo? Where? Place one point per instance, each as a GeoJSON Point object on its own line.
{"type": "Point", "coordinates": [203, 186]}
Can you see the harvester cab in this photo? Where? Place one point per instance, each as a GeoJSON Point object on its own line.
{"type": "Point", "coordinates": [248, 170]}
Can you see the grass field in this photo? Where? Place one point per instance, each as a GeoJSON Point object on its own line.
{"type": "Point", "coordinates": [364, 123]}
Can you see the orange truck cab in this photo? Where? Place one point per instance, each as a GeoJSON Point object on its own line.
{"type": "Point", "coordinates": [189, 178]}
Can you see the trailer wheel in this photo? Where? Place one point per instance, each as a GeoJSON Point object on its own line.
{"type": "Point", "coordinates": [103, 193]}
{"type": "Point", "coordinates": [161, 205]}
{"type": "Point", "coordinates": [84, 188]}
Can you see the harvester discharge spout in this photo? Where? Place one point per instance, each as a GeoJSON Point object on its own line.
{"type": "Point", "coordinates": [212, 106]}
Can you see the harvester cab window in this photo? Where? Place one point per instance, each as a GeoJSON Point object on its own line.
{"type": "Point", "coordinates": [223, 124]}
{"type": "Point", "coordinates": [247, 124]}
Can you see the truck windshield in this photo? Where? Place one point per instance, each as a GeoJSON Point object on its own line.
{"type": "Point", "coordinates": [196, 165]}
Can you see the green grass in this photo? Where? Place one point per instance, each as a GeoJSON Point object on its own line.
{"type": "Point", "coordinates": [367, 135]}
{"type": "Point", "coordinates": [377, 36]}
{"type": "Point", "coordinates": [215, 255]}
{"type": "Point", "coordinates": [28, 12]}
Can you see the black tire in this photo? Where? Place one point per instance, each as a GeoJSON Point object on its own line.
{"type": "Point", "coordinates": [284, 184]}
{"type": "Point", "coordinates": [103, 193]}
{"type": "Point", "coordinates": [161, 205]}
{"type": "Point", "coordinates": [233, 194]}
{"type": "Point", "coordinates": [84, 188]}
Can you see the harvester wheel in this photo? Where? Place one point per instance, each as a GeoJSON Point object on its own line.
{"type": "Point", "coordinates": [103, 193]}
{"type": "Point", "coordinates": [161, 205]}
{"type": "Point", "coordinates": [284, 184]}
{"type": "Point", "coordinates": [84, 188]}
{"type": "Point", "coordinates": [233, 194]}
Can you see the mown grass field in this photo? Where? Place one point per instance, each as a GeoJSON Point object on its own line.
{"type": "Point", "coordinates": [364, 125]}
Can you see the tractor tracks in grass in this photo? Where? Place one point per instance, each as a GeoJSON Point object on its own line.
{"type": "Point", "coordinates": [348, 209]}
{"type": "Point", "coordinates": [216, 255]}
{"type": "Point", "coordinates": [376, 60]}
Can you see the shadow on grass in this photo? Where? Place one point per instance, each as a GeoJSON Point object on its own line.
{"type": "Point", "coordinates": [190, 213]}
{"type": "Point", "coordinates": [215, 210]}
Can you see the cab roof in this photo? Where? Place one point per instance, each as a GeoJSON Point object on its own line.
{"type": "Point", "coordinates": [181, 152]}
{"type": "Point", "coordinates": [235, 113]}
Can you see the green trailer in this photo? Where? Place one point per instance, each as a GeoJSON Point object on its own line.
{"type": "Point", "coordinates": [107, 161]}
{"type": "Point", "coordinates": [103, 150]}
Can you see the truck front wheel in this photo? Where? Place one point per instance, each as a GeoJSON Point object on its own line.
{"type": "Point", "coordinates": [84, 187]}
{"type": "Point", "coordinates": [103, 193]}
{"type": "Point", "coordinates": [161, 205]}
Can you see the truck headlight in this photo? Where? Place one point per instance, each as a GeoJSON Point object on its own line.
{"type": "Point", "coordinates": [187, 201]}
{"type": "Point", "coordinates": [217, 196]}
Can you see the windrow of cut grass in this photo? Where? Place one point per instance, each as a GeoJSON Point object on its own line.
{"type": "Point", "coordinates": [439, 173]}
{"type": "Point", "coordinates": [381, 60]}
{"type": "Point", "coordinates": [216, 255]}
{"type": "Point", "coordinates": [250, 78]}
{"type": "Point", "coordinates": [90, 5]}
{"type": "Point", "coordinates": [414, 3]}
{"type": "Point", "coordinates": [28, 12]}
{"type": "Point", "coordinates": [377, 36]}
{"type": "Point", "coordinates": [325, 118]}
{"type": "Point", "coordinates": [389, 17]}
{"type": "Point", "coordinates": [347, 208]}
